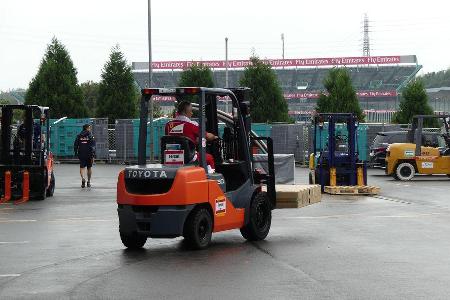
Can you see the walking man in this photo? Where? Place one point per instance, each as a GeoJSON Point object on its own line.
{"type": "Point", "coordinates": [84, 148]}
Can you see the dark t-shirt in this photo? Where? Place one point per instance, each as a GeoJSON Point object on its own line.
{"type": "Point", "coordinates": [84, 146]}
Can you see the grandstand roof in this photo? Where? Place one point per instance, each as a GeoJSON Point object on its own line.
{"type": "Point", "coordinates": [435, 90]}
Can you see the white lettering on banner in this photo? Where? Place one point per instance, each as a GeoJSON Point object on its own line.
{"type": "Point", "coordinates": [316, 95]}
{"type": "Point", "coordinates": [308, 95]}
{"type": "Point", "coordinates": [173, 65]}
{"type": "Point", "coordinates": [277, 63]}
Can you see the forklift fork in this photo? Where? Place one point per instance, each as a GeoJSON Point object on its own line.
{"type": "Point", "coordinates": [7, 188]}
{"type": "Point", "coordinates": [25, 189]}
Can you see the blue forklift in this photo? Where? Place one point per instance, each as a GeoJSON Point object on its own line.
{"type": "Point", "coordinates": [334, 163]}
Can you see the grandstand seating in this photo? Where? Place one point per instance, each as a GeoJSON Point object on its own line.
{"type": "Point", "coordinates": [364, 78]}
{"type": "Point", "coordinates": [293, 80]}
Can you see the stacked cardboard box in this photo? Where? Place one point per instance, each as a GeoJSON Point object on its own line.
{"type": "Point", "coordinates": [296, 196]}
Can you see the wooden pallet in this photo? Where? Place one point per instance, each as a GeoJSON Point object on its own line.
{"type": "Point", "coordinates": [352, 190]}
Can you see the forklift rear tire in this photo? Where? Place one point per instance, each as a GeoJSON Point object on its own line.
{"type": "Point", "coordinates": [42, 194]}
{"type": "Point", "coordinates": [51, 188]}
{"type": "Point", "coordinates": [405, 171]}
{"type": "Point", "coordinates": [260, 218]}
{"type": "Point", "coordinates": [133, 241]}
{"type": "Point", "coordinates": [198, 229]}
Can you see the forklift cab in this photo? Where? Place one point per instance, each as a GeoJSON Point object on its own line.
{"type": "Point", "coordinates": [416, 134]}
{"type": "Point", "coordinates": [26, 163]}
{"type": "Point", "coordinates": [24, 141]}
{"type": "Point", "coordinates": [230, 151]}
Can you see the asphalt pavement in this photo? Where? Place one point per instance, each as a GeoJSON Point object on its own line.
{"type": "Point", "coordinates": [392, 246]}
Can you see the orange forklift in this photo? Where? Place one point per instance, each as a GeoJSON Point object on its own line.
{"type": "Point", "coordinates": [26, 162]}
{"type": "Point", "coordinates": [181, 196]}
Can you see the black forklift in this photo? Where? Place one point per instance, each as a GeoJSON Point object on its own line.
{"type": "Point", "coordinates": [26, 162]}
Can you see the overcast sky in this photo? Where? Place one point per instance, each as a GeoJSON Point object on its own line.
{"type": "Point", "coordinates": [193, 30]}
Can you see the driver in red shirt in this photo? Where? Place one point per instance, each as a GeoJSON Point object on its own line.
{"type": "Point", "coordinates": [182, 125]}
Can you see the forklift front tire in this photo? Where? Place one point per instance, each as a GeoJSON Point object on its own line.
{"type": "Point", "coordinates": [405, 171]}
{"type": "Point", "coordinates": [51, 188]}
{"type": "Point", "coordinates": [133, 241]}
{"type": "Point", "coordinates": [260, 219]}
{"type": "Point", "coordinates": [198, 229]}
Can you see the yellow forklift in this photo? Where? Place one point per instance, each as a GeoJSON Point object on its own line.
{"type": "Point", "coordinates": [405, 160]}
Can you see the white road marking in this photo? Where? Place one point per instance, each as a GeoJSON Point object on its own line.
{"type": "Point", "coordinates": [80, 220]}
{"type": "Point", "coordinates": [9, 275]}
{"type": "Point", "coordinates": [323, 217]}
{"type": "Point", "coordinates": [15, 221]}
{"type": "Point", "coordinates": [368, 216]}
{"type": "Point", "coordinates": [8, 243]}
{"type": "Point", "coordinates": [410, 216]}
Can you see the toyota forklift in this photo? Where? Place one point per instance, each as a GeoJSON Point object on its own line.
{"type": "Point", "coordinates": [420, 156]}
{"type": "Point", "coordinates": [181, 196]}
{"type": "Point", "coordinates": [26, 162]}
{"type": "Point", "coordinates": [334, 162]}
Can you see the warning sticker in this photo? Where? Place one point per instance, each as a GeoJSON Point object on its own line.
{"type": "Point", "coordinates": [427, 165]}
{"type": "Point", "coordinates": [409, 153]}
{"type": "Point", "coordinates": [174, 157]}
{"type": "Point", "coordinates": [221, 206]}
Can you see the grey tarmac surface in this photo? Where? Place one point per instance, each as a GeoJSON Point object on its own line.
{"type": "Point", "coordinates": [393, 246]}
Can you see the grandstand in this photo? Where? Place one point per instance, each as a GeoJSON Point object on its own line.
{"type": "Point", "coordinates": [377, 84]}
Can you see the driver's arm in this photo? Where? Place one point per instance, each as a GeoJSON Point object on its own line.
{"type": "Point", "coordinates": [210, 137]}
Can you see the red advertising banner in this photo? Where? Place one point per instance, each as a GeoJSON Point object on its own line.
{"type": "Point", "coordinates": [305, 95]}
{"type": "Point", "coordinates": [366, 94]}
{"type": "Point", "coordinates": [310, 112]}
{"type": "Point", "coordinates": [278, 63]}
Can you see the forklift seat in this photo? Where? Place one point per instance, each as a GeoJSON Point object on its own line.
{"type": "Point", "coordinates": [185, 143]}
{"type": "Point", "coordinates": [235, 174]}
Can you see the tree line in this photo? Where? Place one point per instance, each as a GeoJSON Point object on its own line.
{"type": "Point", "coordinates": [436, 79]}
{"type": "Point", "coordinates": [116, 96]}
